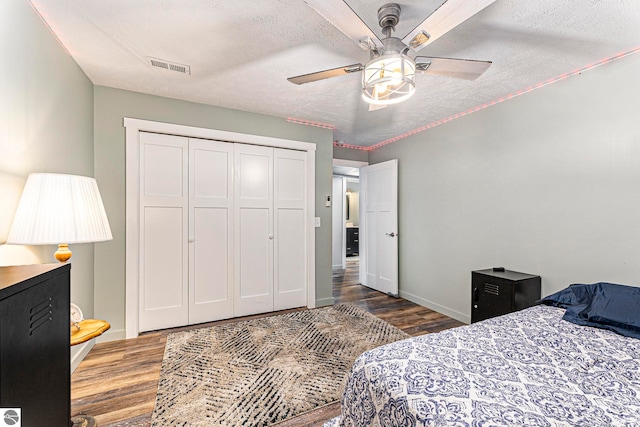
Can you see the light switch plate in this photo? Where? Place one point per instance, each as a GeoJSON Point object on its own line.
{"type": "Point", "coordinates": [317, 221]}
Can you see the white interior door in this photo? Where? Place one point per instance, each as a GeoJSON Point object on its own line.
{"type": "Point", "coordinates": [253, 229]}
{"type": "Point", "coordinates": [379, 226]}
{"type": "Point", "coordinates": [210, 230]}
{"type": "Point", "coordinates": [163, 298]}
{"type": "Point", "coordinates": [290, 223]}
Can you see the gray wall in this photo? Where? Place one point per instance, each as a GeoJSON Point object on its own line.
{"type": "Point", "coordinates": [350, 154]}
{"type": "Point", "coordinates": [46, 125]}
{"type": "Point", "coordinates": [545, 183]}
{"type": "Point", "coordinates": [111, 106]}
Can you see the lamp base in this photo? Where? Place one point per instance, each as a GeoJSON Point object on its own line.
{"type": "Point", "coordinates": [83, 421]}
{"type": "Point", "coordinates": [63, 253]}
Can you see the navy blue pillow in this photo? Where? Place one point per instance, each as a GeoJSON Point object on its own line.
{"type": "Point", "coordinates": [601, 305]}
{"type": "Point", "coordinates": [573, 295]}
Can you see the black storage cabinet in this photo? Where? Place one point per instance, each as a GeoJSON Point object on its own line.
{"type": "Point", "coordinates": [494, 293]}
{"type": "Point", "coordinates": [353, 241]}
{"type": "Point", "coordinates": [34, 343]}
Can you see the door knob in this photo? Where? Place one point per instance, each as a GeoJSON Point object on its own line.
{"type": "Point", "coordinates": [392, 234]}
{"type": "Point", "coordinates": [270, 236]}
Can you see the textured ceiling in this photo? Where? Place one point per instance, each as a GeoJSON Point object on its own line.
{"type": "Point", "coordinates": [242, 51]}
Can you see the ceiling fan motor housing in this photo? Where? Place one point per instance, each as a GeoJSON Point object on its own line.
{"type": "Point", "coordinates": [393, 45]}
{"type": "Point", "coordinates": [388, 17]}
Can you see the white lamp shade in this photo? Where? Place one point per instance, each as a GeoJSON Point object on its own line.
{"type": "Point", "coordinates": [57, 208]}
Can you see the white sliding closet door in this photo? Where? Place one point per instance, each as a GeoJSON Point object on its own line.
{"type": "Point", "coordinates": [253, 225]}
{"type": "Point", "coordinates": [210, 230]}
{"type": "Point", "coordinates": [163, 298]}
{"type": "Point", "coordinates": [290, 223]}
{"type": "Point", "coordinates": [223, 230]}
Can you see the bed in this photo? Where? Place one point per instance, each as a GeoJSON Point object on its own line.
{"type": "Point", "coordinates": [529, 368]}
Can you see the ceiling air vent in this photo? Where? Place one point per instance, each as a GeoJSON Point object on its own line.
{"type": "Point", "coordinates": [171, 66]}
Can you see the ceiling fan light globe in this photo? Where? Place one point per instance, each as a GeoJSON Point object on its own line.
{"type": "Point", "coordinates": [389, 79]}
{"type": "Point", "coordinates": [388, 101]}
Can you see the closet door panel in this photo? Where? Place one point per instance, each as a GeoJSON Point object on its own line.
{"type": "Point", "coordinates": [210, 296]}
{"type": "Point", "coordinates": [163, 246]}
{"type": "Point", "coordinates": [253, 288]}
{"type": "Point", "coordinates": [290, 281]}
{"type": "Point", "coordinates": [163, 169]}
{"type": "Point", "coordinates": [254, 175]}
{"type": "Point", "coordinates": [212, 167]}
{"type": "Point", "coordinates": [210, 231]}
{"type": "Point", "coordinates": [291, 259]}
{"type": "Point", "coordinates": [255, 248]}
{"type": "Point", "coordinates": [290, 178]}
{"type": "Point", "coordinates": [163, 298]}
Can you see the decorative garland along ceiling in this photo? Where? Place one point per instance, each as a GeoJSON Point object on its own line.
{"type": "Point", "coordinates": [239, 54]}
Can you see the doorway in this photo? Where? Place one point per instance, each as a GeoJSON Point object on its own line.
{"type": "Point", "coordinates": [346, 214]}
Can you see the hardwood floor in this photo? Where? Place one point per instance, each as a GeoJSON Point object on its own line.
{"type": "Point", "coordinates": [117, 382]}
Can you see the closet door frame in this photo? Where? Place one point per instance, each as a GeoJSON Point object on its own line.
{"type": "Point", "coordinates": [133, 127]}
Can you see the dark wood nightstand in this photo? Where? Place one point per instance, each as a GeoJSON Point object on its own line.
{"type": "Point", "coordinates": [495, 292]}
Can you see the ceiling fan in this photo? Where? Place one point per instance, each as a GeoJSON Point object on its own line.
{"type": "Point", "coordinates": [389, 76]}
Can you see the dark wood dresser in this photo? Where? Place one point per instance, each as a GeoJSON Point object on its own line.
{"type": "Point", "coordinates": [34, 343]}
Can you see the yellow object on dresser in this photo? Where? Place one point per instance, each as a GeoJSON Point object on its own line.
{"type": "Point", "coordinates": [88, 329]}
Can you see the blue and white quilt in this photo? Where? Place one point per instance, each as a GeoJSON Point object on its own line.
{"type": "Point", "coordinates": [528, 368]}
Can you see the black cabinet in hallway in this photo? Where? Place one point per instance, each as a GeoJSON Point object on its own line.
{"type": "Point", "coordinates": [353, 240]}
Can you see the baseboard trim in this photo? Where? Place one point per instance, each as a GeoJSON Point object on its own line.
{"type": "Point", "coordinates": [323, 302]}
{"type": "Point", "coordinates": [77, 356]}
{"type": "Point", "coordinates": [464, 318]}
{"type": "Point", "coordinates": [112, 335]}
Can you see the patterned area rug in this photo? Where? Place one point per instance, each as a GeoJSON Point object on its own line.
{"type": "Point", "coordinates": [261, 371]}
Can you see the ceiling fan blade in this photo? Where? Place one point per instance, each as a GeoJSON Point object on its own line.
{"type": "Point", "coordinates": [320, 75]}
{"type": "Point", "coordinates": [449, 15]}
{"type": "Point", "coordinates": [467, 69]}
{"type": "Point", "coordinates": [340, 15]}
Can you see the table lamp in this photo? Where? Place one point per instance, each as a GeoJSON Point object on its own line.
{"type": "Point", "coordinates": [59, 209]}
{"type": "Point", "coordinates": [62, 209]}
